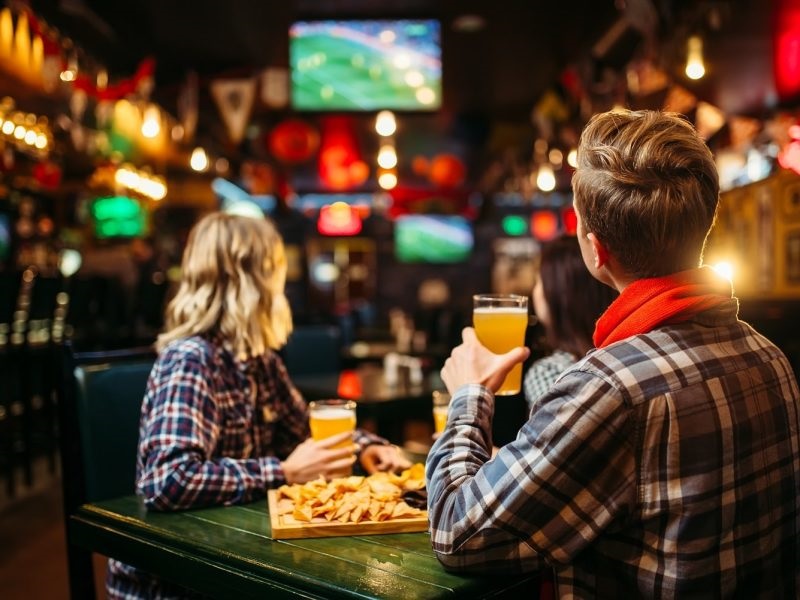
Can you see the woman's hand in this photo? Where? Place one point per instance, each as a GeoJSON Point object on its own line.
{"type": "Point", "coordinates": [380, 457]}
{"type": "Point", "coordinates": [314, 458]}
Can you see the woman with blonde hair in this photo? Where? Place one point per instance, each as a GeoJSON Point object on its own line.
{"type": "Point", "coordinates": [221, 421]}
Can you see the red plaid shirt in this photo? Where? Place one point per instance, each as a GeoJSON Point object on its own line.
{"type": "Point", "coordinates": [213, 432]}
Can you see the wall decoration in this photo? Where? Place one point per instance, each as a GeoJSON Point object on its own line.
{"type": "Point", "coordinates": [234, 98]}
{"type": "Point", "coordinates": [188, 107]}
{"type": "Point", "coordinates": [447, 170]}
{"type": "Point", "coordinates": [293, 141]}
{"type": "Point", "coordinates": [790, 201]}
{"type": "Point", "coordinates": [792, 257]}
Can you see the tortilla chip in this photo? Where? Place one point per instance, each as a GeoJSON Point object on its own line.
{"type": "Point", "coordinates": [353, 499]}
{"type": "Point", "coordinates": [302, 513]}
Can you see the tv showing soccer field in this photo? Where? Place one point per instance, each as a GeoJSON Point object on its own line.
{"type": "Point", "coordinates": [366, 65]}
{"type": "Point", "coordinates": [434, 239]}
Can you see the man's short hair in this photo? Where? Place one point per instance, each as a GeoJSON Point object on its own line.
{"type": "Point", "coordinates": [646, 185]}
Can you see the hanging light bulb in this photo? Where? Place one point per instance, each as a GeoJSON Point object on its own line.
{"type": "Point", "coordinates": [71, 72]}
{"type": "Point", "coordinates": [199, 159]}
{"type": "Point", "coordinates": [385, 123]}
{"type": "Point", "coordinates": [695, 68]}
{"type": "Point", "coordinates": [151, 124]}
{"type": "Point", "coordinates": [387, 180]}
{"type": "Point", "coordinates": [387, 157]}
{"type": "Point", "coordinates": [546, 179]}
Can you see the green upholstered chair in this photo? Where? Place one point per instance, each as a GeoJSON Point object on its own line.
{"type": "Point", "coordinates": [100, 398]}
{"type": "Point", "coordinates": [313, 350]}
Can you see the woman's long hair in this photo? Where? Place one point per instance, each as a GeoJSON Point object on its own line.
{"type": "Point", "coordinates": [232, 286]}
{"type": "Point", "coordinates": [575, 299]}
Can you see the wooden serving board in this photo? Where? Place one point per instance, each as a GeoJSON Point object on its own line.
{"type": "Point", "coordinates": [281, 531]}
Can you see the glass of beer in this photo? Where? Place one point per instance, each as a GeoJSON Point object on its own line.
{"type": "Point", "coordinates": [500, 321]}
{"type": "Point", "coordinates": [441, 402]}
{"type": "Point", "coordinates": [329, 417]}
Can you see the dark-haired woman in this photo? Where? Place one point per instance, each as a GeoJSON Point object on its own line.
{"type": "Point", "coordinates": [568, 302]}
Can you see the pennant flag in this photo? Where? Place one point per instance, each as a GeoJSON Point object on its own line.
{"type": "Point", "coordinates": [679, 100]}
{"type": "Point", "coordinates": [743, 130]}
{"type": "Point", "coordinates": [275, 87]}
{"type": "Point", "coordinates": [552, 107]}
{"type": "Point", "coordinates": [187, 106]}
{"type": "Point", "coordinates": [709, 120]}
{"type": "Point", "coordinates": [644, 78]}
{"type": "Point", "coordinates": [234, 98]}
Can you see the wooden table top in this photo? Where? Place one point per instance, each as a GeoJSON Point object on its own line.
{"type": "Point", "coordinates": [229, 552]}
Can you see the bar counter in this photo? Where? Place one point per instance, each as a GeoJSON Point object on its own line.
{"type": "Point", "coordinates": [229, 552]}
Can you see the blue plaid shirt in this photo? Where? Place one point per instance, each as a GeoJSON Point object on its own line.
{"type": "Point", "coordinates": [665, 465]}
{"type": "Point", "coordinates": [544, 372]}
{"type": "Point", "coordinates": [213, 431]}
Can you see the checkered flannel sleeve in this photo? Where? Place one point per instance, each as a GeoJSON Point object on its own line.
{"type": "Point", "coordinates": [545, 496]}
{"type": "Point", "coordinates": [179, 431]}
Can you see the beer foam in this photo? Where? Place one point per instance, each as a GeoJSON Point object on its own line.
{"type": "Point", "coordinates": [331, 414]}
{"type": "Point", "coordinates": [502, 310]}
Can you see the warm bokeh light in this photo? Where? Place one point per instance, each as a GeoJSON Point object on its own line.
{"type": "Point", "coordinates": [695, 69]}
{"type": "Point", "coordinates": [572, 158]}
{"type": "Point", "coordinates": [151, 123]}
{"type": "Point", "coordinates": [385, 123]}
{"type": "Point", "coordinates": [199, 159]}
{"type": "Point", "coordinates": [387, 157]}
{"type": "Point", "coordinates": [387, 180]}
{"type": "Point", "coordinates": [69, 262]}
{"type": "Point", "coordinates": [546, 179]}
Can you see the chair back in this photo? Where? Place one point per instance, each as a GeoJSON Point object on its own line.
{"type": "Point", "coordinates": [312, 350]}
{"type": "Point", "coordinates": [100, 397]}
{"type": "Point", "coordinates": [109, 403]}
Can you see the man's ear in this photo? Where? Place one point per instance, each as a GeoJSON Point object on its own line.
{"type": "Point", "coordinates": [599, 251]}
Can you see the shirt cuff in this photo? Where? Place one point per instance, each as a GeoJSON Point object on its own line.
{"type": "Point", "coordinates": [473, 399]}
{"type": "Point", "coordinates": [364, 439]}
{"type": "Point", "coordinates": [272, 471]}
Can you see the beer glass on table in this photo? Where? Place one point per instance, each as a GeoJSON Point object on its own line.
{"type": "Point", "coordinates": [329, 417]}
{"type": "Point", "coordinates": [441, 402]}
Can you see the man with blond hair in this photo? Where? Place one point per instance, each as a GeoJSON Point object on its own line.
{"type": "Point", "coordinates": [666, 462]}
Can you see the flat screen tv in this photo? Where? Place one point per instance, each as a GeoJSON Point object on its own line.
{"type": "Point", "coordinates": [434, 239]}
{"type": "Point", "coordinates": [118, 217]}
{"type": "Point", "coordinates": [365, 65]}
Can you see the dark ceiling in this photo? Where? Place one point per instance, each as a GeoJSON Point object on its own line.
{"type": "Point", "coordinates": [499, 70]}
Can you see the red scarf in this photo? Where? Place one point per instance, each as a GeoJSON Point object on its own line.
{"type": "Point", "coordinates": [648, 303]}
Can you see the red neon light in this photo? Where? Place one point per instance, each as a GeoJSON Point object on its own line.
{"type": "Point", "coordinates": [786, 49]}
{"type": "Point", "coordinates": [570, 220]}
{"type": "Point", "coordinates": [349, 385]}
{"type": "Point", "coordinates": [544, 225]}
{"type": "Point", "coordinates": [340, 164]}
{"type": "Point", "coordinates": [339, 218]}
